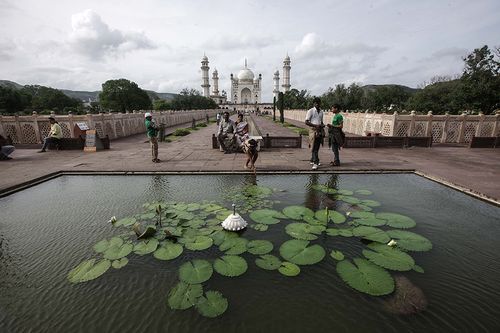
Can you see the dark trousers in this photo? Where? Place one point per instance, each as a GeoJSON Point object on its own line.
{"type": "Point", "coordinates": [335, 149]}
{"type": "Point", "coordinates": [315, 150]}
{"type": "Point", "coordinates": [49, 140]}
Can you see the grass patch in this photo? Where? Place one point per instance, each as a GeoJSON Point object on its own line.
{"type": "Point", "coordinates": [181, 132]}
{"type": "Point", "coordinates": [201, 125]}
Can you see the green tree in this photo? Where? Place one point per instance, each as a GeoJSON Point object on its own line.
{"type": "Point", "coordinates": [123, 95]}
{"type": "Point", "coordinates": [191, 99]}
{"type": "Point", "coordinates": [161, 105]}
{"type": "Point", "coordinates": [295, 99]}
{"type": "Point", "coordinates": [481, 80]}
{"type": "Point", "coordinates": [46, 98]}
{"type": "Point", "coordinates": [349, 98]}
{"type": "Point", "coordinates": [11, 100]}
{"type": "Point", "coordinates": [440, 97]}
{"type": "Point", "coordinates": [385, 97]}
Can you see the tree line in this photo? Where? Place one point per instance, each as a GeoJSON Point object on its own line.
{"type": "Point", "coordinates": [476, 89]}
{"type": "Point", "coordinates": [117, 95]}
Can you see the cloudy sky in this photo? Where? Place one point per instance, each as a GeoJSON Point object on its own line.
{"type": "Point", "coordinates": [158, 44]}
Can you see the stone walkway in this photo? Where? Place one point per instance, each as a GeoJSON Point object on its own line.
{"type": "Point", "coordinates": [474, 169]}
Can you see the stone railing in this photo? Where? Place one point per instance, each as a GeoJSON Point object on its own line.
{"type": "Point", "coordinates": [442, 128]}
{"type": "Point", "coordinates": [33, 129]}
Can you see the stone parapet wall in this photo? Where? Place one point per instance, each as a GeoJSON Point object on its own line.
{"type": "Point", "coordinates": [33, 129]}
{"type": "Point", "coordinates": [442, 128]}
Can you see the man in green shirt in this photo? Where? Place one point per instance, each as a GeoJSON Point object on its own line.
{"type": "Point", "coordinates": [55, 134]}
{"type": "Point", "coordinates": [152, 132]}
{"type": "Point", "coordinates": [337, 137]}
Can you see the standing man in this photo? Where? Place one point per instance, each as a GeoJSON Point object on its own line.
{"type": "Point", "coordinates": [55, 134]}
{"type": "Point", "coordinates": [152, 131]}
{"type": "Point", "coordinates": [218, 118]}
{"type": "Point", "coordinates": [336, 134]}
{"type": "Point", "coordinates": [314, 119]}
{"type": "Point", "coordinates": [226, 127]}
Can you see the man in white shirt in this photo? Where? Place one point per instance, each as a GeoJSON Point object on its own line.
{"type": "Point", "coordinates": [314, 119]}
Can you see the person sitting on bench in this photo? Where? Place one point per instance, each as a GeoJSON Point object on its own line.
{"type": "Point", "coordinates": [226, 127]}
{"type": "Point", "coordinates": [5, 149]}
{"type": "Point", "coordinates": [55, 134]}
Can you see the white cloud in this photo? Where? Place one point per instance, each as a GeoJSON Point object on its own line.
{"type": "Point", "coordinates": [92, 37]}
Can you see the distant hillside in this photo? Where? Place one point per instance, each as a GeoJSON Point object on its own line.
{"type": "Point", "coordinates": [83, 95]}
{"type": "Point", "coordinates": [373, 87]}
{"type": "Point", "coordinates": [10, 84]}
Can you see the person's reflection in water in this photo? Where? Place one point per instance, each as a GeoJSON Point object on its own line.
{"type": "Point", "coordinates": [250, 179]}
{"type": "Point", "coordinates": [158, 187]}
{"type": "Point", "coordinates": [316, 199]}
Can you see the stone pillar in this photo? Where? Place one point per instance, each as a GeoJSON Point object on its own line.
{"type": "Point", "coordinates": [445, 127]}
{"type": "Point", "coordinates": [2, 132]}
{"type": "Point", "coordinates": [461, 132]}
{"type": "Point", "coordinates": [71, 124]}
{"type": "Point", "coordinates": [90, 120]}
{"type": "Point", "coordinates": [394, 123]}
{"type": "Point", "coordinates": [37, 128]}
{"type": "Point", "coordinates": [20, 135]}
{"type": "Point", "coordinates": [496, 124]}
{"type": "Point", "coordinates": [428, 130]}
{"type": "Point", "coordinates": [479, 124]}
{"type": "Point", "coordinates": [412, 124]}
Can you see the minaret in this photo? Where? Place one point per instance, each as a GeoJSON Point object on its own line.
{"type": "Point", "coordinates": [276, 80]}
{"type": "Point", "coordinates": [286, 74]}
{"type": "Point", "coordinates": [215, 78]}
{"type": "Point", "coordinates": [204, 76]}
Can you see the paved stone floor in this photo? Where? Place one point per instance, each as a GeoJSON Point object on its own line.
{"type": "Point", "coordinates": [474, 169]}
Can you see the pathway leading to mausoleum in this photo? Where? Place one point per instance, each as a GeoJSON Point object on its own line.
{"type": "Point", "coordinates": [475, 169]}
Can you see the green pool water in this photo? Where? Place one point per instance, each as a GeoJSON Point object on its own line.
{"type": "Point", "coordinates": [48, 230]}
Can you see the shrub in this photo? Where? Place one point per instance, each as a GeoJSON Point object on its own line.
{"type": "Point", "coordinates": [201, 125]}
{"type": "Point", "coordinates": [181, 132]}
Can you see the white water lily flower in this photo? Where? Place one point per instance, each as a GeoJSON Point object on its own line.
{"type": "Point", "coordinates": [113, 219]}
{"type": "Point", "coordinates": [348, 213]}
{"type": "Point", "coordinates": [392, 242]}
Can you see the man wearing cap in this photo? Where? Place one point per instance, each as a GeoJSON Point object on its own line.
{"type": "Point", "coordinates": [152, 131]}
{"type": "Point", "coordinates": [55, 134]}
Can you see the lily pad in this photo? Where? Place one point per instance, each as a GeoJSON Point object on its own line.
{"type": "Point", "coordinates": [362, 215]}
{"type": "Point", "coordinates": [304, 231]}
{"type": "Point", "coordinates": [366, 277]}
{"type": "Point", "coordinates": [259, 247]}
{"type": "Point", "coordinates": [88, 270]}
{"type": "Point", "coordinates": [397, 220]}
{"type": "Point", "coordinates": [146, 246]}
{"type": "Point", "coordinates": [345, 192]}
{"type": "Point", "coordinates": [117, 249]}
{"type": "Point", "coordinates": [348, 199]}
{"type": "Point", "coordinates": [234, 245]}
{"type": "Point", "coordinates": [333, 216]}
{"type": "Point", "coordinates": [371, 233]}
{"type": "Point", "coordinates": [127, 221]}
{"type": "Point", "coordinates": [183, 295]}
{"type": "Point", "coordinates": [372, 222]}
{"type": "Point", "coordinates": [268, 262]}
{"type": "Point", "coordinates": [259, 227]}
{"type": "Point", "coordinates": [168, 251]}
{"type": "Point", "coordinates": [337, 255]}
{"type": "Point", "coordinates": [297, 212]}
{"type": "Point", "coordinates": [410, 241]}
{"type": "Point", "coordinates": [389, 257]}
{"type": "Point", "coordinates": [298, 252]}
{"type": "Point", "coordinates": [370, 203]}
{"type": "Point", "coordinates": [212, 305]}
{"type": "Point", "coordinates": [266, 216]}
{"type": "Point", "coordinates": [289, 269]}
{"type": "Point", "coordinates": [220, 236]}
{"type": "Point", "coordinates": [117, 264]}
{"type": "Point", "coordinates": [199, 243]}
{"type": "Point", "coordinates": [257, 191]}
{"type": "Point", "coordinates": [195, 271]}
{"type": "Point", "coordinates": [101, 246]}
{"type": "Point", "coordinates": [418, 269]}
{"type": "Point", "coordinates": [363, 192]}
{"type": "Point", "coordinates": [230, 266]}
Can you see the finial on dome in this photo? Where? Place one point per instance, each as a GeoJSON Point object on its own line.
{"type": "Point", "coordinates": [246, 63]}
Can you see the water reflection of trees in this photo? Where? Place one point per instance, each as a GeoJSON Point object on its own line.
{"type": "Point", "coordinates": [315, 199]}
